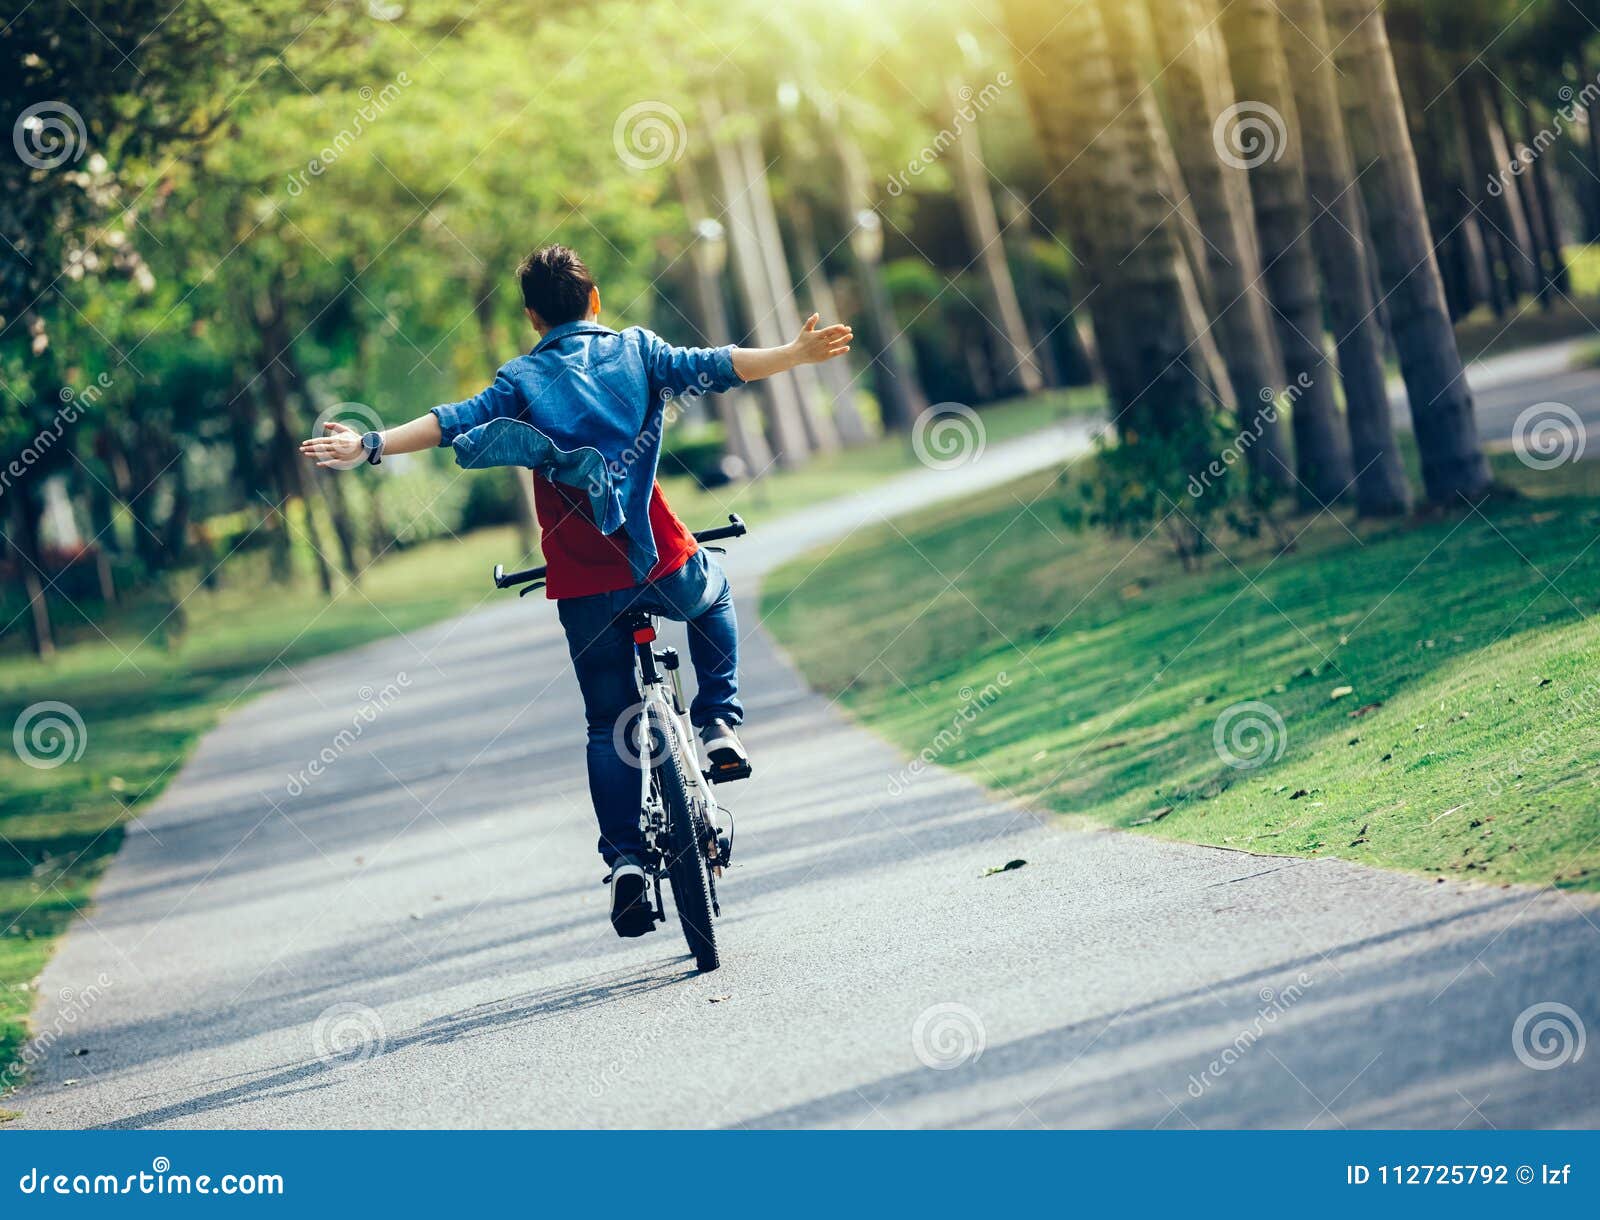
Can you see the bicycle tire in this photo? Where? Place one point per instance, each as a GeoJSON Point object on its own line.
{"type": "Point", "coordinates": [686, 862]}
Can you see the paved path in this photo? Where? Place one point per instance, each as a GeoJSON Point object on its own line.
{"type": "Point", "coordinates": [431, 905]}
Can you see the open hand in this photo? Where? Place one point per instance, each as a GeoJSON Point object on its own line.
{"type": "Point", "coordinates": [813, 346]}
{"type": "Point", "coordinates": [340, 448]}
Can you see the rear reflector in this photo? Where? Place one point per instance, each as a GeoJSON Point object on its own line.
{"type": "Point", "coordinates": [644, 635]}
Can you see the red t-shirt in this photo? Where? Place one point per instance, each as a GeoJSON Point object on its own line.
{"type": "Point", "coordinates": [583, 561]}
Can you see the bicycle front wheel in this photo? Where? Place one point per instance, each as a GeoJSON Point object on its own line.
{"type": "Point", "coordinates": [686, 863]}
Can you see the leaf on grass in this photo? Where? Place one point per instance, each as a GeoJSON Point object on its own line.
{"type": "Point", "coordinates": [1298, 793]}
{"type": "Point", "coordinates": [1156, 816]}
{"type": "Point", "coordinates": [1109, 745]}
{"type": "Point", "coordinates": [1008, 866]}
{"type": "Point", "coordinates": [1339, 692]}
{"type": "Point", "coordinates": [1365, 708]}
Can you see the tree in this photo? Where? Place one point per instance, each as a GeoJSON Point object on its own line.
{"type": "Point", "coordinates": [1198, 87]}
{"type": "Point", "coordinates": [1266, 115]}
{"type": "Point", "coordinates": [1337, 229]}
{"type": "Point", "coordinates": [1453, 464]}
{"type": "Point", "coordinates": [976, 203]}
{"type": "Point", "coordinates": [1100, 145]}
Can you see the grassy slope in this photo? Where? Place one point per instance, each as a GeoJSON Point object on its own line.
{"type": "Point", "coordinates": [1480, 760]}
{"type": "Point", "coordinates": [144, 704]}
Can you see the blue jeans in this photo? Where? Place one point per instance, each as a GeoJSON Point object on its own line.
{"type": "Point", "coordinates": [602, 656]}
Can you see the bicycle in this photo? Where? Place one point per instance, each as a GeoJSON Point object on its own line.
{"type": "Point", "coordinates": [682, 843]}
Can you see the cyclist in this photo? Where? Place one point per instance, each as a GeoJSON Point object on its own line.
{"type": "Point", "coordinates": [584, 410]}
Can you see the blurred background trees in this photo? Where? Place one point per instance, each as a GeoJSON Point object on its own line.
{"type": "Point", "coordinates": [226, 222]}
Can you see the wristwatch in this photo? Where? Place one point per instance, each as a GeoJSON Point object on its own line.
{"type": "Point", "coordinates": [372, 445]}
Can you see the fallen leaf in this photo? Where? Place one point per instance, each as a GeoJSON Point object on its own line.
{"type": "Point", "coordinates": [1546, 681]}
{"type": "Point", "coordinates": [1008, 866]}
{"type": "Point", "coordinates": [1298, 793]}
{"type": "Point", "coordinates": [1109, 745]}
{"type": "Point", "coordinates": [717, 999]}
{"type": "Point", "coordinates": [1339, 692]}
{"type": "Point", "coordinates": [1156, 816]}
{"type": "Point", "coordinates": [1365, 708]}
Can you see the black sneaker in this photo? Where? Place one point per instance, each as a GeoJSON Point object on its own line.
{"type": "Point", "coordinates": [631, 912]}
{"type": "Point", "coordinates": [725, 756]}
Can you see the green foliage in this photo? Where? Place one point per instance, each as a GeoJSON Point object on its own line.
{"type": "Point", "coordinates": [1186, 488]}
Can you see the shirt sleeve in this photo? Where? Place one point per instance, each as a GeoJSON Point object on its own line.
{"type": "Point", "coordinates": [687, 370]}
{"type": "Point", "coordinates": [497, 401]}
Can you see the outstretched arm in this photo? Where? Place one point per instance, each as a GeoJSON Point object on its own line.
{"type": "Point", "coordinates": [340, 446]}
{"type": "Point", "coordinates": [811, 346]}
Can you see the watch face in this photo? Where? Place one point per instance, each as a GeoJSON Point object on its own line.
{"type": "Point", "coordinates": [371, 441]}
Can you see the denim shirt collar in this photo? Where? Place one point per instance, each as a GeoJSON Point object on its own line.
{"type": "Point", "coordinates": [582, 326]}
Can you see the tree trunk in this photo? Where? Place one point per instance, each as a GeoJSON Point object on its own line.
{"type": "Point", "coordinates": [835, 373]}
{"type": "Point", "coordinates": [290, 467]}
{"type": "Point", "coordinates": [743, 441]}
{"type": "Point", "coordinates": [1544, 205]}
{"type": "Point", "coordinates": [1436, 384]}
{"type": "Point", "coordinates": [1100, 149]}
{"type": "Point", "coordinates": [785, 430]}
{"type": "Point", "coordinates": [821, 435]}
{"type": "Point", "coordinates": [1199, 86]}
{"type": "Point", "coordinates": [1019, 372]}
{"type": "Point", "coordinates": [1501, 205]}
{"type": "Point", "coordinates": [26, 546]}
{"type": "Point", "coordinates": [1283, 222]}
{"type": "Point", "coordinates": [1018, 237]}
{"type": "Point", "coordinates": [1337, 229]}
{"type": "Point", "coordinates": [900, 395]}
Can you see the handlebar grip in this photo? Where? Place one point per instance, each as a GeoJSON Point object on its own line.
{"type": "Point", "coordinates": [735, 528]}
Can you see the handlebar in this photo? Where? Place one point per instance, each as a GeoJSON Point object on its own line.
{"type": "Point", "coordinates": [735, 528]}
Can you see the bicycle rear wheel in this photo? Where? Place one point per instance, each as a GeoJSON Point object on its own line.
{"type": "Point", "coordinates": [686, 861]}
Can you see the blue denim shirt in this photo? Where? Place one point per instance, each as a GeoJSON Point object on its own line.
{"type": "Point", "coordinates": [586, 408]}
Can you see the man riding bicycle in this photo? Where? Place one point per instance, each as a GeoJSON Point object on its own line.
{"type": "Point", "coordinates": [585, 410]}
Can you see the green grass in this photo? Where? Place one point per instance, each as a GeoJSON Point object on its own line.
{"type": "Point", "coordinates": [1086, 674]}
{"type": "Point", "coordinates": [146, 692]}
{"type": "Point", "coordinates": [1481, 333]}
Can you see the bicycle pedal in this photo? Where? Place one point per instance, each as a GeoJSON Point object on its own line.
{"type": "Point", "coordinates": [723, 773]}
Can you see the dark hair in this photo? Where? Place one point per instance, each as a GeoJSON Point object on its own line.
{"type": "Point", "coordinates": [555, 285]}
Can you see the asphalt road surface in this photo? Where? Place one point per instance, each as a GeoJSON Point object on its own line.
{"type": "Point", "coordinates": [416, 936]}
